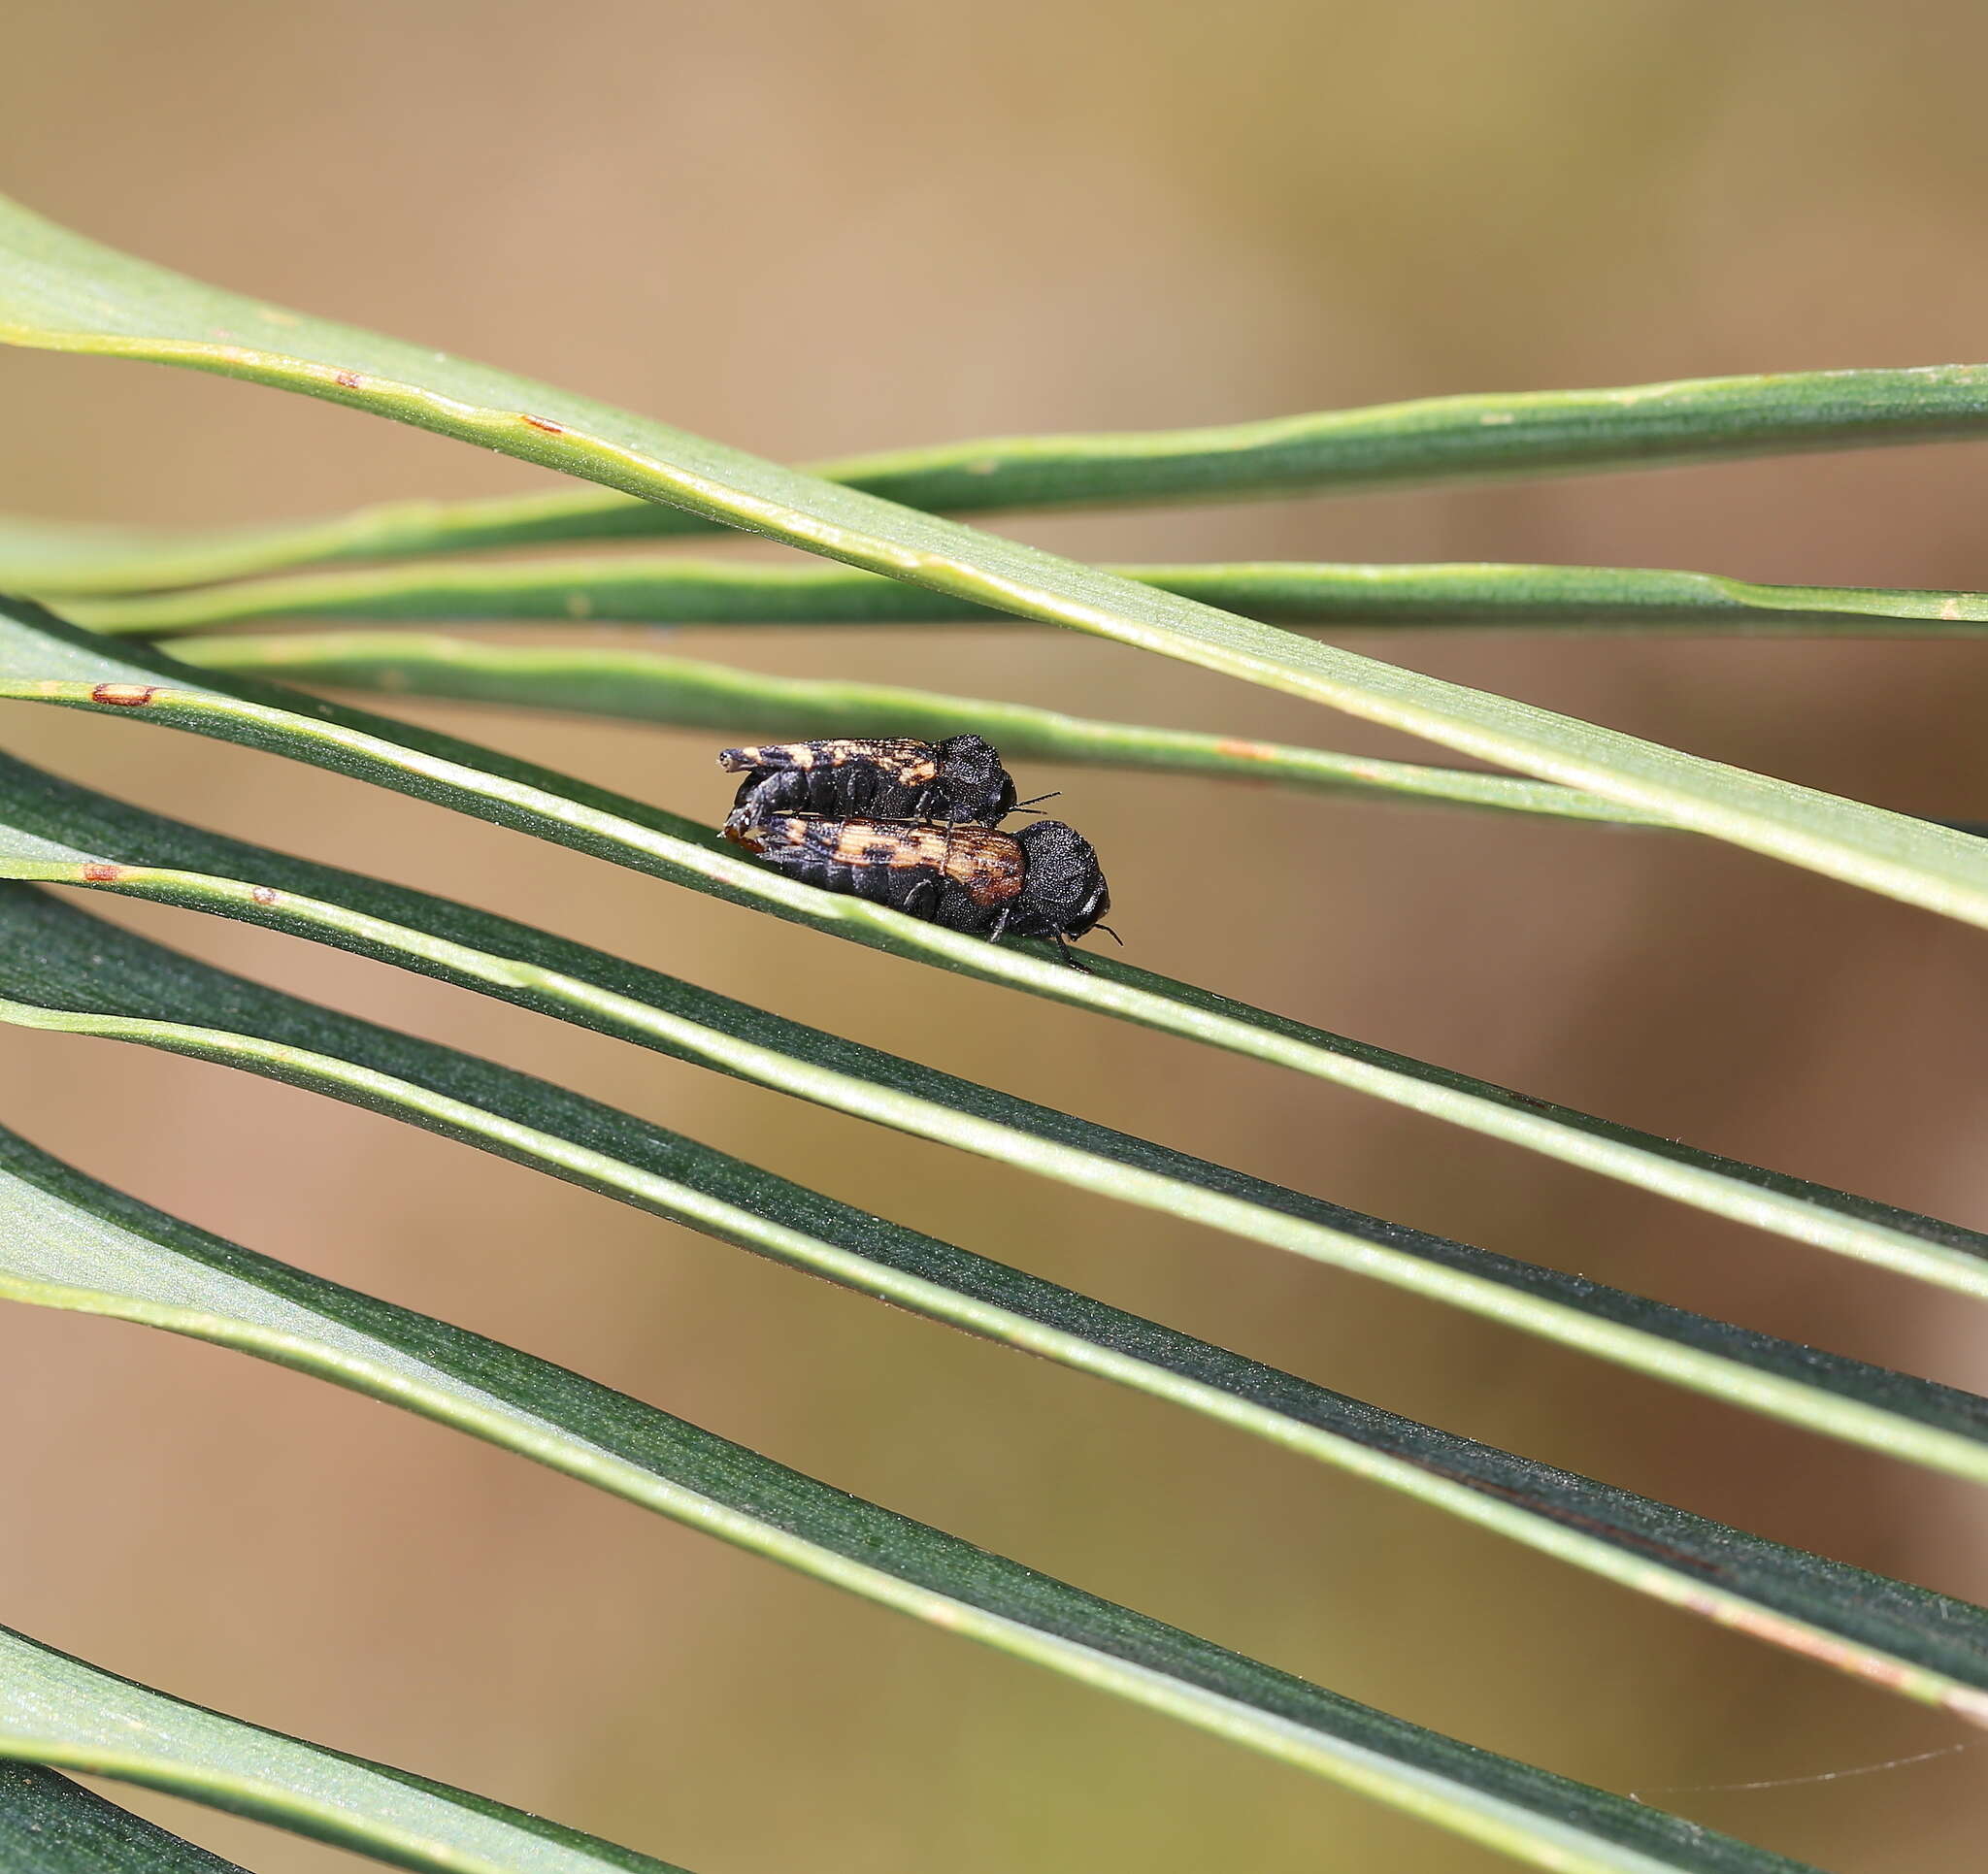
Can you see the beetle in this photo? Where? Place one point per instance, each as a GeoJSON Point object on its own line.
{"type": "Point", "coordinates": [1042, 881]}
{"type": "Point", "coordinates": [959, 780]}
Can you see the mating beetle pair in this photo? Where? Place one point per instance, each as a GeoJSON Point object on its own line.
{"type": "Point", "coordinates": [915, 825]}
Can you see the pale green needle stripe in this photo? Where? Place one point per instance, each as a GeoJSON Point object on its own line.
{"type": "Point", "coordinates": [658, 590]}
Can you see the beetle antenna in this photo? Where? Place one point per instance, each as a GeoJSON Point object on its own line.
{"type": "Point", "coordinates": [1029, 806]}
{"type": "Point", "coordinates": [1110, 932]}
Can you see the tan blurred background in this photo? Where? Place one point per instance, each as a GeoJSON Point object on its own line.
{"type": "Point", "coordinates": [816, 230]}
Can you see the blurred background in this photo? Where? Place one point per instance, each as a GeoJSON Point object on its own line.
{"type": "Point", "coordinates": [817, 230]}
